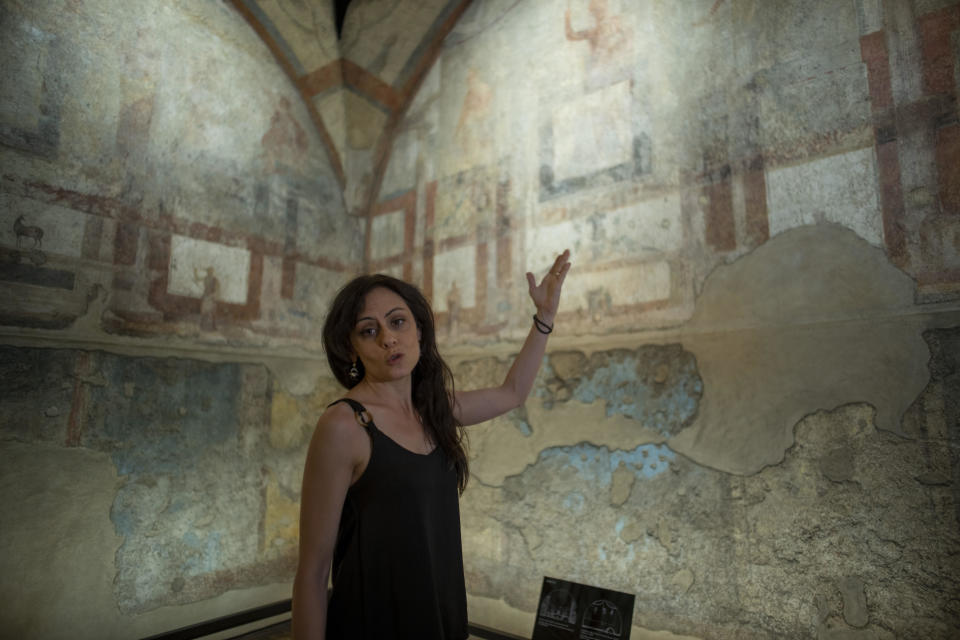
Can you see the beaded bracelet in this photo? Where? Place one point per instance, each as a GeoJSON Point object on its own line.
{"type": "Point", "coordinates": [541, 326]}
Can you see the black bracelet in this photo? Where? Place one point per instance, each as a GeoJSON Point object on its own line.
{"type": "Point", "coordinates": [541, 326]}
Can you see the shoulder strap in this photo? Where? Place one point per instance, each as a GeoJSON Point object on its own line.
{"type": "Point", "coordinates": [360, 411]}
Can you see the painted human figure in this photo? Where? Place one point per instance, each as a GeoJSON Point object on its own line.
{"type": "Point", "coordinates": [471, 130]}
{"type": "Point", "coordinates": [453, 308]}
{"type": "Point", "coordinates": [610, 45]}
{"type": "Point", "coordinates": [208, 299]}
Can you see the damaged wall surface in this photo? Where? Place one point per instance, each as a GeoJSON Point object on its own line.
{"type": "Point", "coordinates": [171, 231]}
{"type": "Point", "coordinates": [740, 418]}
{"type": "Point", "coordinates": [792, 474]}
{"type": "Point", "coordinates": [749, 412]}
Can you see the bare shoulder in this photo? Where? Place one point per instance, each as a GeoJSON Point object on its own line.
{"type": "Point", "coordinates": [338, 427]}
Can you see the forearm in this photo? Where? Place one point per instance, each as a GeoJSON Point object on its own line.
{"type": "Point", "coordinates": [473, 407]}
{"type": "Point", "coordinates": [519, 380]}
{"type": "Point", "coordinates": [309, 606]}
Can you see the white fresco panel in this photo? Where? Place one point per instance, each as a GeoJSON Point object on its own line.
{"type": "Point", "coordinates": [593, 133]}
{"type": "Point", "coordinates": [869, 16]}
{"type": "Point", "coordinates": [636, 284]}
{"type": "Point", "coordinates": [643, 227]}
{"type": "Point", "coordinates": [190, 259]}
{"type": "Point", "coordinates": [386, 235]}
{"type": "Point", "coordinates": [842, 189]}
{"type": "Point", "coordinates": [543, 244]}
{"type": "Point", "coordinates": [641, 230]}
{"type": "Point", "coordinates": [459, 266]}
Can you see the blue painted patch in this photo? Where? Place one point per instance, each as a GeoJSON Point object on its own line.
{"type": "Point", "coordinates": [182, 415]}
{"type": "Point", "coordinates": [202, 554]}
{"type": "Point", "coordinates": [523, 427]}
{"type": "Point", "coordinates": [178, 411]}
{"type": "Point", "coordinates": [597, 464]}
{"type": "Point", "coordinates": [659, 386]}
{"type": "Point", "coordinates": [122, 521]}
{"type": "Point", "coordinates": [176, 505]}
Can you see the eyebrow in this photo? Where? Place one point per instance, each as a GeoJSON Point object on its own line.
{"type": "Point", "coordinates": [386, 315]}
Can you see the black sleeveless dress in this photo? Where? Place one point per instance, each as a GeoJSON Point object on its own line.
{"type": "Point", "coordinates": [398, 564]}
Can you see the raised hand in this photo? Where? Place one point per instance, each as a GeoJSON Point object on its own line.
{"type": "Point", "coordinates": [546, 295]}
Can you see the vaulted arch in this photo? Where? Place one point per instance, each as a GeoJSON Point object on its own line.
{"type": "Point", "coordinates": [356, 82]}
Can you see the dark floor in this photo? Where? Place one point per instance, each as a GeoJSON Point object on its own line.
{"type": "Point", "coordinates": [281, 631]}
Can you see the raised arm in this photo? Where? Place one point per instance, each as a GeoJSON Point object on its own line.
{"type": "Point", "coordinates": [336, 449]}
{"type": "Point", "coordinates": [472, 407]}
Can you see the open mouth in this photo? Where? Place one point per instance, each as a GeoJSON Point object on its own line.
{"type": "Point", "coordinates": [395, 358]}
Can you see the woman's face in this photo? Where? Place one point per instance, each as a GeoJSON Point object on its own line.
{"type": "Point", "coordinates": [385, 337]}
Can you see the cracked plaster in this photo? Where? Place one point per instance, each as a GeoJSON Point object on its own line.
{"type": "Point", "coordinates": [810, 515]}
{"type": "Point", "coordinates": [788, 552]}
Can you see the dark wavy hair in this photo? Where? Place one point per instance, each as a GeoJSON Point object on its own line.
{"type": "Point", "coordinates": [432, 384]}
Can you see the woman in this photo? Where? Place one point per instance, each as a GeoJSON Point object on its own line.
{"type": "Point", "coordinates": [379, 507]}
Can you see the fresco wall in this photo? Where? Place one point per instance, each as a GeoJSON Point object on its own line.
{"type": "Point", "coordinates": [356, 85]}
{"type": "Point", "coordinates": [171, 231]}
{"type": "Point", "coordinates": [746, 416]}
{"type": "Point", "coordinates": [168, 193]}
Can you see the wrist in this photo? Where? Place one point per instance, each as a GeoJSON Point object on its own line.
{"type": "Point", "coordinates": [546, 316]}
{"type": "Point", "coordinates": [541, 325]}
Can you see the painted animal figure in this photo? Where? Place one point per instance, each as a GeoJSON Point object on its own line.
{"type": "Point", "coordinates": [27, 231]}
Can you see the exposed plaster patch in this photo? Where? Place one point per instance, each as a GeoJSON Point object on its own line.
{"type": "Point", "coordinates": [621, 484]}
{"type": "Point", "coordinates": [813, 319]}
{"type": "Point", "coordinates": [789, 537]}
{"type": "Point", "coordinates": [56, 506]}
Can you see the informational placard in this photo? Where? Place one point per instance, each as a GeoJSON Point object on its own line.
{"type": "Point", "coordinates": [574, 611]}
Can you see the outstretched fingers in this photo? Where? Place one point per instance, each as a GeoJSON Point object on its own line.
{"type": "Point", "coordinates": [561, 265]}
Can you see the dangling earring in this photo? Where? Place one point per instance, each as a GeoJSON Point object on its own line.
{"type": "Point", "coordinates": [354, 372]}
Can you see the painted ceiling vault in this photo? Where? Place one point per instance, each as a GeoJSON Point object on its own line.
{"type": "Point", "coordinates": [356, 86]}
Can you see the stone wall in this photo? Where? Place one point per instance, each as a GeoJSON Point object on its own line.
{"type": "Point", "coordinates": [748, 415]}
{"type": "Point", "coordinates": [744, 417]}
{"type": "Point", "coordinates": [171, 231]}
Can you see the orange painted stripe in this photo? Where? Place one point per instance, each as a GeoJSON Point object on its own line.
{"type": "Point", "coordinates": [948, 168]}
{"type": "Point", "coordinates": [891, 201]}
{"type": "Point", "coordinates": [429, 209]}
{"type": "Point", "coordinates": [78, 404]}
{"type": "Point", "coordinates": [344, 72]}
{"type": "Point", "coordinates": [327, 77]}
{"type": "Point", "coordinates": [936, 29]}
{"type": "Point", "coordinates": [755, 202]}
{"type": "Point", "coordinates": [876, 56]}
{"type": "Point", "coordinates": [369, 85]}
{"type": "Point", "coordinates": [873, 52]}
